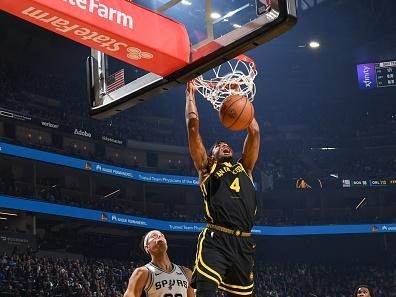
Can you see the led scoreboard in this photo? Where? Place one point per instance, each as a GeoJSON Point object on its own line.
{"type": "Point", "coordinates": [376, 75]}
{"type": "Point", "coordinates": [383, 182]}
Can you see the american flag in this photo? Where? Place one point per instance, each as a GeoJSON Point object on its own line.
{"type": "Point", "coordinates": [115, 81]}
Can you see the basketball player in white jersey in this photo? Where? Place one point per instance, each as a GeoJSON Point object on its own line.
{"type": "Point", "coordinates": [160, 277]}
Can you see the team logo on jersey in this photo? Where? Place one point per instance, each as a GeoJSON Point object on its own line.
{"type": "Point", "coordinates": [170, 284]}
{"type": "Point", "coordinates": [223, 170]}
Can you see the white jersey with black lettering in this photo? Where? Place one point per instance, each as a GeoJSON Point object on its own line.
{"type": "Point", "coordinates": [166, 284]}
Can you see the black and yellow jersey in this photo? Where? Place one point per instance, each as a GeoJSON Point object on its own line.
{"type": "Point", "coordinates": [229, 197]}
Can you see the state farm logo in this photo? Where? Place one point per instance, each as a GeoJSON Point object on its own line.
{"type": "Point", "coordinates": [135, 53]}
{"type": "Point", "coordinates": [86, 34]}
{"type": "Point", "coordinates": [103, 11]}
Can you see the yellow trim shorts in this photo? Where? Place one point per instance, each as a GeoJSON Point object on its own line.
{"type": "Point", "coordinates": [225, 259]}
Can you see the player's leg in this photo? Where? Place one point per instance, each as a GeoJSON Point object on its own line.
{"type": "Point", "coordinates": [239, 280]}
{"type": "Point", "coordinates": [206, 288]}
{"type": "Point", "coordinates": [210, 264]}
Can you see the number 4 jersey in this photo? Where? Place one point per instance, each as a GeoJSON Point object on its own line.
{"type": "Point", "coordinates": [166, 284]}
{"type": "Point", "coordinates": [229, 197]}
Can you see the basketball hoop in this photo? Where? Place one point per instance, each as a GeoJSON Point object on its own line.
{"type": "Point", "coordinates": [236, 77]}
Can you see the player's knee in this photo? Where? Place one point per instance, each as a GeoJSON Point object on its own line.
{"type": "Point", "coordinates": [206, 289]}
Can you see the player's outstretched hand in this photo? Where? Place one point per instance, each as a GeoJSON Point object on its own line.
{"type": "Point", "coordinates": [191, 88]}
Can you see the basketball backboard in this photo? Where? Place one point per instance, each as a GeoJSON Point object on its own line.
{"type": "Point", "coordinates": [218, 30]}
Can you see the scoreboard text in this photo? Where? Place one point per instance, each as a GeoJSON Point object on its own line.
{"type": "Point", "coordinates": [376, 75]}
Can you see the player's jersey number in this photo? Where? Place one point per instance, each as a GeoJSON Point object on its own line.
{"type": "Point", "coordinates": [235, 185]}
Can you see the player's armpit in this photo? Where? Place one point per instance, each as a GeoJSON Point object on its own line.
{"type": "Point", "coordinates": [137, 281]}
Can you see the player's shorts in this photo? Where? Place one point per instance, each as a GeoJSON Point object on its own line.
{"type": "Point", "coordinates": [226, 260]}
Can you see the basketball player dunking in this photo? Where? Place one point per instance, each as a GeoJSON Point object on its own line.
{"type": "Point", "coordinates": [225, 250]}
{"type": "Point", "coordinates": [160, 277]}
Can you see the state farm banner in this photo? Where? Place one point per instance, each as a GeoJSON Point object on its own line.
{"type": "Point", "coordinates": [121, 29]}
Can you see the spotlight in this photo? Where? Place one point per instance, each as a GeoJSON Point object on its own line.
{"type": "Point", "coordinates": [314, 44]}
{"type": "Point", "coordinates": [215, 15]}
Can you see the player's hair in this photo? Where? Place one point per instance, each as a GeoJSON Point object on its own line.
{"type": "Point", "coordinates": [142, 243]}
{"type": "Point", "coordinates": [210, 152]}
{"type": "Point", "coordinates": [370, 289]}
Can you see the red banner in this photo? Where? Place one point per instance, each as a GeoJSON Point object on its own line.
{"type": "Point", "coordinates": [118, 28]}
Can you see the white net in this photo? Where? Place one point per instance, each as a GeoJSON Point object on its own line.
{"type": "Point", "coordinates": [235, 77]}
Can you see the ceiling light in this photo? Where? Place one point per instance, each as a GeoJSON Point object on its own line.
{"type": "Point", "coordinates": [186, 2]}
{"type": "Point", "coordinates": [215, 15]}
{"type": "Point", "coordinates": [314, 44]}
{"type": "Point", "coordinates": [236, 25]}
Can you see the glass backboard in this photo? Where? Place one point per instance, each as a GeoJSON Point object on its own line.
{"type": "Point", "coordinates": [218, 30]}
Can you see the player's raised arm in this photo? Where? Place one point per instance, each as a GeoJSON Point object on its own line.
{"type": "Point", "coordinates": [137, 281]}
{"type": "Point", "coordinates": [251, 147]}
{"type": "Point", "coordinates": [197, 149]}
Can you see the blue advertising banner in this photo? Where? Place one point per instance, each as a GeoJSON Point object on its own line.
{"type": "Point", "coordinates": [376, 75]}
{"type": "Point", "coordinates": [24, 152]}
{"type": "Point", "coordinates": [367, 76]}
{"type": "Point", "coordinates": [133, 221]}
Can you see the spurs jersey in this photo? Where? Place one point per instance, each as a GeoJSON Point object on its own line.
{"type": "Point", "coordinates": [229, 197]}
{"type": "Point", "coordinates": [166, 284]}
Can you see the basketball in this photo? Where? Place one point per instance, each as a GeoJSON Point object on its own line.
{"type": "Point", "coordinates": [236, 112]}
